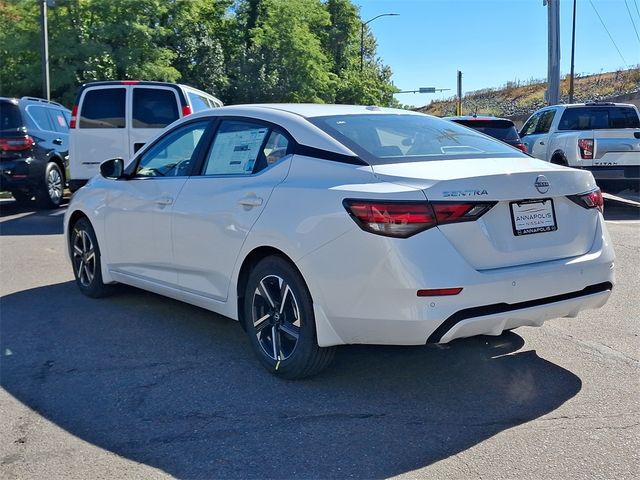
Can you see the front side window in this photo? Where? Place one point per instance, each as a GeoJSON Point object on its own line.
{"type": "Point", "coordinates": [544, 124]}
{"type": "Point", "coordinates": [391, 138]}
{"type": "Point", "coordinates": [172, 156]}
{"type": "Point", "coordinates": [530, 127]}
{"type": "Point", "coordinates": [236, 148]}
{"type": "Point", "coordinates": [103, 108]}
{"type": "Point", "coordinates": [154, 107]}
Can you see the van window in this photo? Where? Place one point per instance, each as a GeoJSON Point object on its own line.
{"type": "Point", "coordinates": [154, 107]}
{"type": "Point", "coordinates": [39, 115]}
{"type": "Point", "coordinates": [103, 108]}
{"type": "Point", "coordinates": [198, 102]}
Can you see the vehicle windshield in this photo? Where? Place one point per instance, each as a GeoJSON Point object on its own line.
{"type": "Point", "coordinates": [391, 138]}
{"type": "Point", "coordinates": [503, 130]}
{"type": "Point", "coordinates": [10, 117]}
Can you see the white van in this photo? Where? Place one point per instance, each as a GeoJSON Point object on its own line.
{"type": "Point", "coordinates": [115, 118]}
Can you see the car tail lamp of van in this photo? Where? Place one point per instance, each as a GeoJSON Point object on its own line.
{"type": "Point", "coordinates": [592, 199]}
{"type": "Point", "coordinates": [16, 144]}
{"type": "Point", "coordinates": [186, 110]}
{"type": "Point", "coordinates": [586, 148]}
{"type": "Point", "coordinates": [404, 219]}
{"type": "Point", "coordinates": [74, 117]}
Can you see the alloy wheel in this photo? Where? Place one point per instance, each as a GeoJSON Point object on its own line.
{"type": "Point", "coordinates": [84, 257]}
{"type": "Point", "coordinates": [276, 317]}
{"type": "Point", "coordinates": [54, 185]}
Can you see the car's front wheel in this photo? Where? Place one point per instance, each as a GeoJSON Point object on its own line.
{"type": "Point", "coordinates": [50, 192]}
{"type": "Point", "coordinates": [278, 316]}
{"type": "Point", "coordinates": [85, 254]}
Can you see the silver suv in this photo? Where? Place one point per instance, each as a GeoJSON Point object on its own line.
{"type": "Point", "coordinates": [597, 136]}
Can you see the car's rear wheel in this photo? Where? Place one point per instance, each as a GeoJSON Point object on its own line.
{"type": "Point", "coordinates": [50, 192]}
{"type": "Point", "coordinates": [278, 316]}
{"type": "Point", "coordinates": [85, 254]}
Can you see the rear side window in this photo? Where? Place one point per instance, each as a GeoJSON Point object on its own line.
{"type": "Point", "coordinates": [10, 117]}
{"type": "Point", "coordinates": [59, 120]}
{"type": "Point", "coordinates": [154, 107]}
{"type": "Point", "coordinates": [103, 108]}
{"type": "Point", "coordinates": [236, 148]}
{"type": "Point", "coordinates": [503, 130]}
{"type": "Point", "coordinates": [595, 118]}
{"type": "Point", "coordinates": [40, 116]}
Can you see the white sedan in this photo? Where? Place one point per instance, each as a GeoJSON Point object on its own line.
{"type": "Point", "coordinates": [323, 225]}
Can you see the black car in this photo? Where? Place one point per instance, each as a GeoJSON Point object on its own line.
{"type": "Point", "coordinates": [34, 149]}
{"type": "Point", "coordinates": [501, 128]}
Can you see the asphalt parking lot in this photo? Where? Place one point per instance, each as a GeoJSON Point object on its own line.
{"type": "Point", "coordinates": [141, 386]}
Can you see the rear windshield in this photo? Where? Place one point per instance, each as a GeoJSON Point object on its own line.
{"type": "Point", "coordinates": [388, 138]}
{"type": "Point", "coordinates": [154, 107]}
{"type": "Point", "coordinates": [103, 108]}
{"type": "Point", "coordinates": [10, 117]}
{"type": "Point", "coordinates": [503, 130]}
{"type": "Point", "coordinates": [594, 118]}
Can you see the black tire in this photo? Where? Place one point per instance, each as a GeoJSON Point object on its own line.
{"type": "Point", "coordinates": [22, 197]}
{"type": "Point", "coordinates": [279, 319]}
{"type": "Point", "coordinates": [49, 194]}
{"type": "Point", "coordinates": [85, 257]}
{"type": "Point", "coordinates": [559, 159]}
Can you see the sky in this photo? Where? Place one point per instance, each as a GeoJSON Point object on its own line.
{"type": "Point", "coordinates": [495, 41]}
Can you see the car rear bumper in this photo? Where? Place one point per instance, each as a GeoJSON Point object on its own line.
{"type": "Point", "coordinates": [19, 174]}
{"type": "Point", "coordinates": [371, 297]}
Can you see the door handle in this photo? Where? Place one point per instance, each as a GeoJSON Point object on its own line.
{"type": "Point", "coordinates": [163, 201]}
{"type": "Point", "coordinates": [58, 141]}
{"type": "Point", "coordinates": [540, 142]}
{"type": "Point", "coordinates": [250, 201]}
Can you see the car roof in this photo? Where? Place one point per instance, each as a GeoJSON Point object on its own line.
{"type": "Point", "coordinates": [477, 117]}
{"type": "Point", "coordinates": [311, 110]}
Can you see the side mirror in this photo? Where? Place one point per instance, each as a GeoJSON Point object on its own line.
{"type": "Point", "coordinates": [112, 168]}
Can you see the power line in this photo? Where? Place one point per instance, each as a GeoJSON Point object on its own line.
{"type": "Point", "coordinates": [631, 18]}
{"type": "Point", "coordinates": [607, 30]}
{"type": "Point", "coordinates": [637, 9]}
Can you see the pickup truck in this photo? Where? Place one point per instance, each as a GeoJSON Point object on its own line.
{"type": "Point", "coordinates": [597, 136]}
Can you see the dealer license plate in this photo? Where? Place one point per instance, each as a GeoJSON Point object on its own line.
{"type": "Point", "coordinates": [533, 216]}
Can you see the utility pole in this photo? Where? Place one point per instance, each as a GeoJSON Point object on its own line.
{"type": "Point", "coordinates": [573, 51]}
{"type": "Point", "coordinates": [459, 102]}
{"type": "Point", "coordinates": [553, 71]}
{"type": "Point", "coordinates": [46, 91]}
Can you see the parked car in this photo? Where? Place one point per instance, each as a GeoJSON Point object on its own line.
{"type": "Point", "coordinates": [34, 149]}
{"type": "Point", "coordinates": [116, 118]}
{"type": "Point", "coordinates": [376, 226]}
{"type": "Point", "coordinates": [501, 128]}
{"type": "Point", "coordinates": [601, 137]}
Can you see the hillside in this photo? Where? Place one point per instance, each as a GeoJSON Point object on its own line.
{"type": "Point", "coordinates": [518, 99]}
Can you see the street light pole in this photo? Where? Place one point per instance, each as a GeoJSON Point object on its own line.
{"type": "Point", "coordinates": [45, 50]}
{"type": "Point", "coordinates": [362, 25]}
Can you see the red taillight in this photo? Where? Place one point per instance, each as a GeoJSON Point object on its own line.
{"type": "Point", "coordinates": [404, 219]}
{"type": "Point", "coordinates": [438, 292]}
{"type": "Point", "coordinates": [592, 199]}
{"type": "Point", "coordinates": [522, 147]}
{"type": "Point", "coordinates": [16, 144]}
{"type": "Point", "coordinates": [586, 148]}
{"type": "Point", "coordinates": [74, 117]}
{"type": "Point", "coordinates": [186, 110]}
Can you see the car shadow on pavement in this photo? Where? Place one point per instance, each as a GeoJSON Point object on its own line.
{"type": "Point", "coordinates": [177, 388]}
{"type": "Point", "coordinates": [23, 219]}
